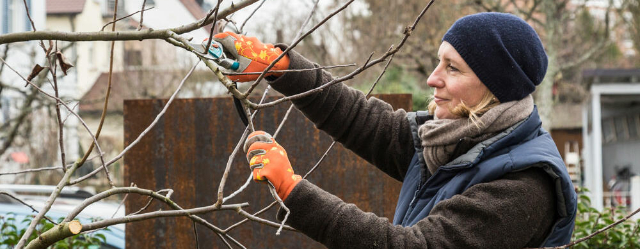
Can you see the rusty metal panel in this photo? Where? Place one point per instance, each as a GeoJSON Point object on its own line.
{"type": "Point", "coordinates": [188, 149]}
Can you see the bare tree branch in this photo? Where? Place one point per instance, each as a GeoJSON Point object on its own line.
{"type": "Point", "coordinates": [53, 64]}
{"type": "Point", "coordinates": [213, 26]}
{"type": "Point", "coordinates": [141, 15]}
{"type": "Point", "coordinates": [41, 169]}
{"type": "Point", "coordinates": [121, 35]}
{"type": "Point", "coordinates": [59, 234]}
{"type": "Point", "coordinates": [55, 234]}
{"type": "Point", "coordinates": [127, 16]}
{"type": "Point", "coordinates": [306, 21]}
{"type": "Point", "coordinates": [291, 70]}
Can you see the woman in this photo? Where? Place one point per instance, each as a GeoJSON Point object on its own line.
{"type": "Point", "coordinates": [477, 168]}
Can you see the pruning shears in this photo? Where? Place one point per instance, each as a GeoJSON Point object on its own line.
{"type": "Point", "coordinates": [216, 53]}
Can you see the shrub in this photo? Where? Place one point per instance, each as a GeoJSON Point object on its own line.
{"type": "Point", "coordinates": [589, 220]}
{"type": "Point", "coordinates": [11, 231]}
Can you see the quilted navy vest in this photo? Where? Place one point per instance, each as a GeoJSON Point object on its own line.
{"type": "Point", "coordinates": [521, 146]}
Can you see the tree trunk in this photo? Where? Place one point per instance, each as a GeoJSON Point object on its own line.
{"type": "Point", "coordinates": [544, 93]}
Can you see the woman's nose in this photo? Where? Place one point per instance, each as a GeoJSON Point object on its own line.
{"type": "Point", "coordinates": [435, 79]}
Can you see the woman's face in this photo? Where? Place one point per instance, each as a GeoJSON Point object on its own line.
{"type": "Point", "coordinates": [454, 83]}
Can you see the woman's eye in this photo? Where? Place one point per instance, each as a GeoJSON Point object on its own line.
{"type": "Point", "coordinates": [452, 68]}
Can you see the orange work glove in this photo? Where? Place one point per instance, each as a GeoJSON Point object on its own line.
{"type": "Point", "coordinates": [268, 160]}
{"type": "Point", "coordinates": [253, 55]}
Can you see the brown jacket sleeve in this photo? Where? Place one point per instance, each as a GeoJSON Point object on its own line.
{"type": "Point", "coordinates": [512, 212]}
{"type": "Point", "coordinates": [368, 127]}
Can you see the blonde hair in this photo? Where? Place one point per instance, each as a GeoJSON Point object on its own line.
{"type": "Point", "coordinates": [487, 102]}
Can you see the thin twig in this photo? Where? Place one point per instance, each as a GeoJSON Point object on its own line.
{"type": "Point", "coordinates": [169, 192]}
{"type": "Point", "coordinates": [228, 229]}
{"type": "Point", "coordinates": [69, 114]}
{"type": "Point", "coordinates": [306, 21]}
{"type": "Point", "coordinates": [224, 241]}
{"type": "Point", "coordinates": [195, 233]}
{"type": "Point", "coordinates": [26, 6]}
{"type": "Point", "coordinates": [251, 15]}
{"type": "Point", "coordinates": [291, 70]}
{"type": "Point", "coordinates": [109, 80]}
{"type": "Point", "coordinates": [40, 169]}
{"type": "Point", "coordinates": [225, 175]}
{"type": "Point", "coordinates": [284, 120]}
{"type": "Point", "coordinates": [213, 26]}
{"type": "Point", "coordinates": [120, 19]}
{"type": "Point", "coordinates": [54, 65]}
{"type": "Point", "coordinates": [274, 193]}
{"type": "Point", "coordinates": [141, 15]}
{"type": "Point", "coordinates": [122, 202]}
{"type": "Point", "coordinates": [326, 152]}
{"type": "Point", "coordinates": [235, 241]}
{"type": "Point", "coordinates": [264, 221]}
{"type": "Point", "coordinates": [26, 204]}
{"type": "Point", "coordinates": [380, 76]}
{"type": "Point", "coordinates": [144, 207]}
{"type": "Point", "coordinates": [5, 54]}
{"type": "Point", "coordinates": [242, 188]}
{"type": "Point", "coordinates": [273, 63]}
{"type": "Point", "coordinates": [158, 214]}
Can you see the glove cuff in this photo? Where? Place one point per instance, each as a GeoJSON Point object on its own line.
{"type": "Point", "coordinates": [287, 186]}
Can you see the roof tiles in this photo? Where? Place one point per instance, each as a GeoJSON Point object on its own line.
{"type": "Point", "coordinates": [65, 6]}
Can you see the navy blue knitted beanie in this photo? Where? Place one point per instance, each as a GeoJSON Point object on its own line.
{"type": "Point", "coordinates": [502, 50]}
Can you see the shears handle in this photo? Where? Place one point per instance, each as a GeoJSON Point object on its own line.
{"type": "Point", "coordinates": [216, 50]}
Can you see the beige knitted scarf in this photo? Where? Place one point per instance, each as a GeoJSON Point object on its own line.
{"type": "Point", "coordinates": [445, 139]}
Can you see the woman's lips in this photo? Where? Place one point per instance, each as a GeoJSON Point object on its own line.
{"type": "Point", "coordinates": [439, 100]}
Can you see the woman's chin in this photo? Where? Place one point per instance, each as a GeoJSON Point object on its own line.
{"type": "Point", "coordinates": [443, 114]}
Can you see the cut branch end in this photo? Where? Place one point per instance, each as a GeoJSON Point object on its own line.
{"type": "Point", "coordinates": [75, 227]}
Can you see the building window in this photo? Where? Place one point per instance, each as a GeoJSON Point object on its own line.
{"type": "Point", "coordinates": [110, 5]}
{"type": "Point", "coordinates": [26, 17]}
{"type": "Point", "coordinates": [6, 16]}
{"type": "Point", "coordinates": [13, 17]}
